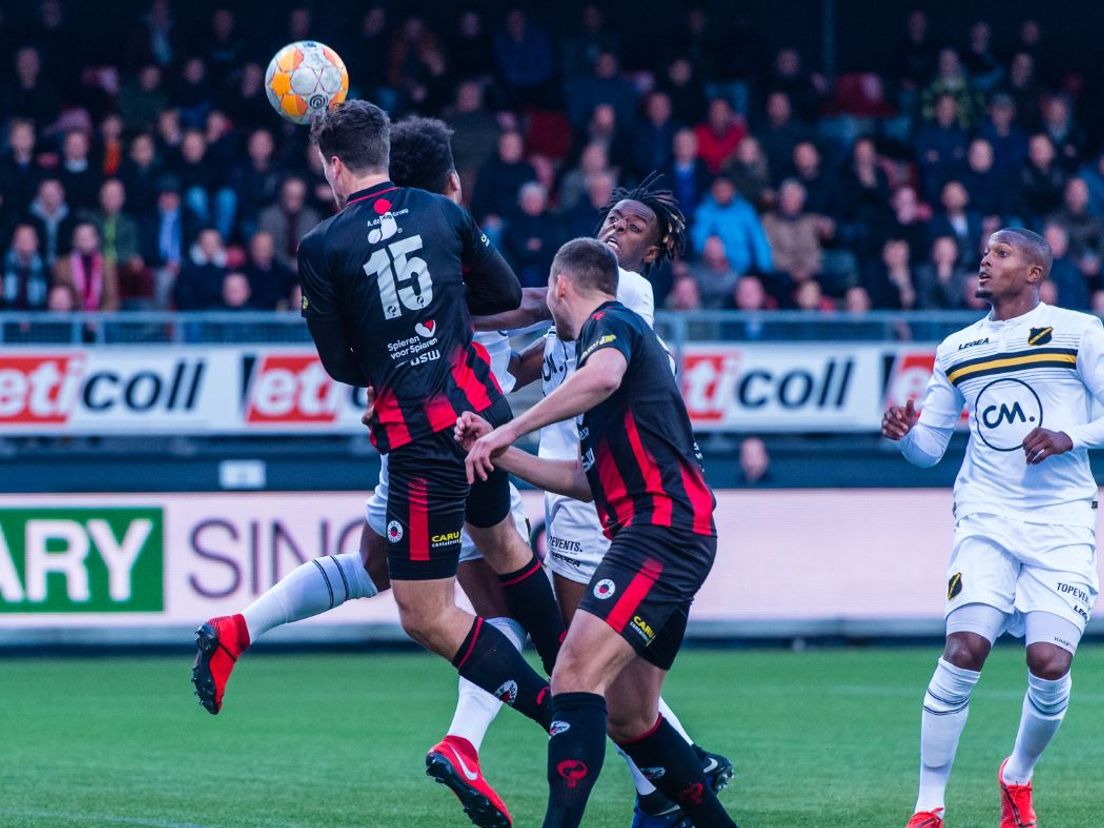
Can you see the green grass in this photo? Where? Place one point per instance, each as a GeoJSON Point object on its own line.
{"type": "Point", "coordinates": [821, 738]}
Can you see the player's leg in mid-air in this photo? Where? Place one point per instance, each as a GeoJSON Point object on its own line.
{"type": "Point", "coordinates": [576, 546]}
{"type": "Point", "coordinates": [621, 642]}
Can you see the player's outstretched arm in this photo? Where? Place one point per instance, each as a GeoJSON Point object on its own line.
{"type": "Point", "coordinates": [564, 477]}
{"type": "Point", "coordinates": [533, 309]}
{"type": "Point", "coordinates": [526, 366]}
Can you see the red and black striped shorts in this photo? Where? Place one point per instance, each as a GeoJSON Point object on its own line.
{"type": "Point", "coordinates": [645, 584]}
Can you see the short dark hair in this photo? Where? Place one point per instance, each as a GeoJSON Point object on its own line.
{"type": "Point", "coordinates": [357, 132]}
{"type": "Point", "coordinates": [1034, 247]}
{"type": "Point", "coordinates": [591, 265]}
{"type": "Point", "coordinates": [421, 153]}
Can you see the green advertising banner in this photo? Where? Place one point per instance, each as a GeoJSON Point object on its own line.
{"type": "Point", "coordinates": [76, 560]}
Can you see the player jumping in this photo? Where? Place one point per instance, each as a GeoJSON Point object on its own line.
{"type": "Point", "coordinates": [1024, 556]}
{"type": "Point", "coordinates": [641, 467]}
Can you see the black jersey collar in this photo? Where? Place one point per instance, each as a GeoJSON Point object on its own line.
{"type": "Point", "coordinates": [371, 192]}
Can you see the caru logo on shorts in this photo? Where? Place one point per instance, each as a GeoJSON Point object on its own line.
{"type": "Point", "coordinates": [1005, 411]}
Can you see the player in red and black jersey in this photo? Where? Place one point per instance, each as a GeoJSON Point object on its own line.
{"type": "Point", "coordinates": [641, 466]}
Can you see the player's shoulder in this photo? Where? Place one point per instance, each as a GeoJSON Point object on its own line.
{"type": "Point", "coordinates": [1064, 322]}
{"type": "Point", "coordinates": [974, 338]}
{"type": "Point", "coordinates": [316, 236]}
{"type": "Point", "coordinates": [632, 288]}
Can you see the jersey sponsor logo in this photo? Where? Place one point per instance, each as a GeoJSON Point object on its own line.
{"type": "Point", "coordinates": [414, 346]}
{"type": "Point", "coordinates": [507, 692]}
{"type": "Point", "coordinates": [604, 589]}
{"type": "Point", "coordinates": [386, 226]}
{"type": "Point", "coordinates": [954, 586]}
{"type": "Point", "coordinates": [1005, 411]}
{"type": "Point", "coordinates": [426, 328]}
{"type": "Point", "coordinates": [290, 388]}
{"type": "Point", "coordinates": [557, 727]}
{"type": "Point", "coordinates": [555, 542]}
{"type": "Point", "coordinates": [974, 343]}
{"type": "Point", "coordinates": [1040, 336]}
{"type": "Point", "coordinates": [643, 628]}
{"type": "Point", "coordinates": [428, 356]}
{"type": "Point", "coordinates": [394, 531]}
{"type": "Point", "coordinates": [605, 339]}
{"type": "Point", "coordinates": [1074, 591]}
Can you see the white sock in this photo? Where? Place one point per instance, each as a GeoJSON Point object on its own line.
{"type": "Point", "coordinates": [475, 707]}
{"type": "Point", "coordinates": [643, 786]}
{"type": "Point", "coordinates": [670, 716]}
{"type": "Point", "coordinates": [1044, 707]}
{"type": "Point", "coordinates": [309, 589]}
{"type": "Point", "coordinates": [946, 707]}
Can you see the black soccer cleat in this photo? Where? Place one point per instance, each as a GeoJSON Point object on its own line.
{"type": "Point", "coordinates": [717, 769]}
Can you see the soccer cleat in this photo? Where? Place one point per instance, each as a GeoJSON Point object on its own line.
{"type": "Point", "coordinates": [454, 763]}
{"type": "Point", "coordinates": [1016, 808]}
{"type": "Point", "coordinates": [219, 642]}
{"type": "Point", "coordinates": [655, 810]}
{"type": "Point", "coordinates": [926, 819]}
{"type": "Point", "coordinates": [717, 769]}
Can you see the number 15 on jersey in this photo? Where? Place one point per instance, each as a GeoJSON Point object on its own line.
{"type": "Point", "coordinates": [403, 280]}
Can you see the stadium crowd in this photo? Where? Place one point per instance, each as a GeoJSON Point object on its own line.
{"type": "Point", "coordinates": [154, 174]}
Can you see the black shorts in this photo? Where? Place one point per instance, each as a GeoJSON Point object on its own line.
{"type": "Point", "coordinates": [645, 584]}
{"type": "Point", "coordinates": [429, 499]}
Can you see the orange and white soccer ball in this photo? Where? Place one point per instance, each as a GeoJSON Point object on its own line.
{"type": "Point", "coordinates": [306, 78]}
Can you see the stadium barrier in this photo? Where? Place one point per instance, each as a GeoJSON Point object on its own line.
{"type": "Point", "coordinates": [146, 569]}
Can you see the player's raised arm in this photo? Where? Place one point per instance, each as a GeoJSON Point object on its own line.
{"type": "Point", "coordinates": [923, 437]}
{"type": "Point", "coordinates": [533, 309]}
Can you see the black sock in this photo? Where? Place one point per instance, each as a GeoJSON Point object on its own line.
{"type": "Point", "coordinates": [488, 659]}
{"type": "Point", "coordinates": [531, 601]}
{"type": "Point", "coordinates": [665, 758]}
{"type": "Point", "coordinates": [576, 749]}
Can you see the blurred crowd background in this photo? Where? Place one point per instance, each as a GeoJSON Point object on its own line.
{"type": "Point", "coordinates": [141, 166]}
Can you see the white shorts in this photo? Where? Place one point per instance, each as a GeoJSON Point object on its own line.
{"type": "Point", "coordinates": [375, 512]}
{"type": "Point", "coordinates": [1018, 567]}
{"type": "Point", "coordinates": [573, 538]}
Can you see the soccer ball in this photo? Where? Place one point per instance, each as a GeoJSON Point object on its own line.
{"type": "Point", "coordinates": [305, 78]}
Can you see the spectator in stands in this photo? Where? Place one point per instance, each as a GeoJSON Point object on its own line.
{"type": "Point", "coordinates": [1085, 232]}
{"type": "Point", "coordinates": [940, 147]}
{"type": "Point", "coordinates": [864, 197]}
{"type": "Point", "coordinates": [256, 181]}
{"type": "Point", "coordinates": [582, 219]}
{"type": "Point", "coordinates": [1008, 141]}
{"type": "Point", "coordinates": [289, 220]}
{"type": "Point", "coordinates": [60, 299]}
{"type": "Point", "coordinates": [168, 237]}
{"type": "Point", "coordinates": [988, 189]}
{"type": "Point", "coordinates": [247, 99]}
{"type": "Point", "coordinates": [794, 234]}
{"type": "Point", "coordinates": [714, 274]}
{"type": "Point", "coordinates": [499, 181]}
{"type": "Point", "coordinates": [916, 53]}
{"type": "Point", "coordinates": [19, 174]}
{"type": "Point", "coordinates": [205, 188]}
{"type": "Point", "coordinates": [941, 280]}
{"type": "Point", "coordinates": [780, 134]}
{"type": "Point", "coordinates": [951, 80]}
{"type": "Point", "coordinates": [156, 39]}
{"type": "Point", "coordinates": [139, 173]}
{"type": "Point", "coordinates": [270, 281]}
{"type": "Point", "coordinates": [602, 85]}
{"type": "Point", "coordinates": [120, 238]}
{"type": "Point", "coordinates": [654, 135]}
{"type": "Point", "coordinates": [199, 285]}
{"type": "Point", "coordinates": [856, 300]}
{"type": "Point", "coordinates": [142, 97]}
{"type": "Point", "coordinates": [30, 93]}
{"type": "Point", "coordinates": [590, 39]}
{"type": "Point", "coordinates": [1073, 287]}
{"type": "Point", "coordinates": [52, 219]}
{"type": "Point", "coordinates": [236, 293]}
{"type": "Point", "coordinates": [688, 176]}
{"type": "Point", "coordinates": [803, 89]}
{"type": "Point", "coordinates": [1062, 130]}
{"type": "Point", "coordinates": [1024, 89]}
{"type": "Point", "coordinates": [889, 281]}
{"type": "Point", "coordinates": [523, 57]}
{"type": "Point", "coordinates": [957, 218]}
{"type": "Point", "coordinates": [169, 135]}
{"type": "Point", "coordinates": [85, 270]}
{"type": "Point", "coordinates": [750, 295]}
{"type": "Point", "coordinates": [686, 90]}
{"type": "Point", "coordinates": [982, 65]}
{"type": "Point", "coordinates": [719, 135]}
{"type": "Point", "coordinates": [472, 55]}
{"type": "Point", "coordinates": [224, 47]}
{"type": "Point", "coordinates": [751, 174]}
{"type": "Point", "coordinates": [193, 94]}
{"type": "Point", "coordinates": [26, 278]}
{"type": "Point", "coordinates": [532, 236]}
{"type": "Point", "coordinates": [594, 159]}
{"type": "Point", "coordinates": [1092, 173]}
{"type": "Point", "coordinates": [821, 185]}
{"type": "Point", "coordinates": [111, 149]}
{"type": "Point", "coordinates": [417, 66]}
{"type": "Point", "coordinates": [808, 296]}
{"type": "Point", "coordinates": [725, 214]}
{"type": "Point", "coordinates": [603, 128]}
{"type": "Point", "coordinates": [1042, 182]}
{"type": "Point", "coordinates": [475, 132]}
{"type": "Point", "coordinates": [684, 294]}
{"type": "Point", "coordinates": [77, 174]}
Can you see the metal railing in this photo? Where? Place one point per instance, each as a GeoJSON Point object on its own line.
{"type": "Point", "coordinates": [213, 328]}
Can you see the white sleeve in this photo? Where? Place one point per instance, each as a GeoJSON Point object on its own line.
{"type": "Point", "coordinates": [1090, 367]}
{"type": "Point", "coordinates": [940, 410]}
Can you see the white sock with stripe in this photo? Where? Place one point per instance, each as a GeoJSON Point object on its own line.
{"type": "Point", "coordinates": [946, 708]}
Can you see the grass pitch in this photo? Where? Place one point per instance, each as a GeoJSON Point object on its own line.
{"type": "Point", "coordinates": [820, 738]}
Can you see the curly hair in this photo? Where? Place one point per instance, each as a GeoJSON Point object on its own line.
{"type": "Point", "coordinates": [421, 153]}
{"type": "Point", "coordinates": [670, 221]}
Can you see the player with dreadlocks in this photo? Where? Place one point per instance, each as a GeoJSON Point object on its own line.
{"type": "Point", "coordinates": [643, 227]}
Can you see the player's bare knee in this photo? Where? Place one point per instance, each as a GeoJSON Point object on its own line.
{"type": "Point", "coordinates": [1047, 661]}
{"type": "Point", "coordinates": [967, 651]}
{"type": "Point", "coordinates": [573, 673]}
{"type": "Point", "coordinates": [626, 723]}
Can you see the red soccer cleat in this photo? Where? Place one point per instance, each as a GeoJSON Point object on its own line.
{"type": "Point", "coordinates": [220, 641]}
{"type": "Point", "coordinates": [926, 819]}
{"type": "Point", "coordinates": [1016, 808]}
{"type": "Point", "coordinates": [454, 763]}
